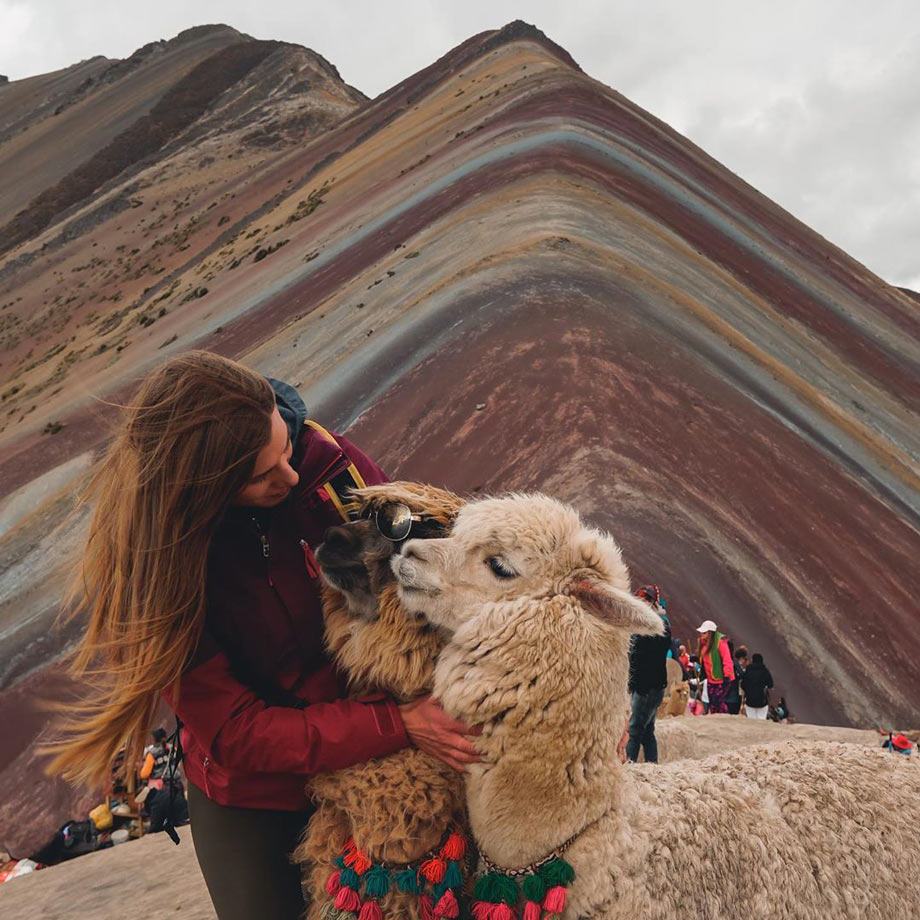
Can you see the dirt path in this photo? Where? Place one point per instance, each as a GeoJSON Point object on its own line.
{"type": "Point", "coordinates": [147, 878]}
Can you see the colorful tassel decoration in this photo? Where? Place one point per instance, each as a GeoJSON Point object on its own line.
{"type": "Point", "coordinates": [409, 881]}
{"type": "Point", "coordinates": [447, 906]}
{"type": "Point", "coordinates": [350, 879]}
{"type": "Point", "coordinates": [434, 869]}
{"type": "Point", "coordinates": [534, 888]}
{"type": "Point", "coordinates": [453, 876]}
{"type": "Point", "coordinates": [557, 872]}
{"type": "Point", "coordinates": [502, 912]}
{"type": "Point", "coordinates": [362, 863]}
{"type": "Point", "coordinates": [333, 884]}
{"type": "Point", "coordinates": [532, 911]}
{"type": "Point", "coordinates": [370, 910]}
{"type": "Point", "coordinates": [376, 882]}
{"type": "Point", "coordinates": [455, 847]}
{"type": "Point", "coordinates": [554, 902]}
{"type": "Point", "coordinates": [495, 887]}
{"type": "Point", "coordinates": [425, 910]}
{"type": "Point", "coordinates": [481, 910]}
{"type": "Point", "coordinates": [348, 899]}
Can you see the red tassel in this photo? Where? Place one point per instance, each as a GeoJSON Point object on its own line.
{"type": "Point", "coordinates": [370, 911]}
{"type": "Point", "coordinates": [554, 902]}
{"type": "Point", "coordinates": [333, 884]}
{"type": "Point", "coordinates": [425, 910]}
{"type": "Point", "coordinates": [349, 845]}
{"type": "Point", "coordinates": [447, 906]}
{"type": "Point", "coordinates": [532, 911]}
{"type": "Point", "coordinates": [502, 912]}
{"type": "Point", "coordinates": [433, 870]}
{"type": "Point", "coordinates": [348, 899]}
{"type": "Point", "coordinates": [481, 910]}
{"type": "Point", "coordinates": [455, 847]}
{"type": "Point", "coordinates": [362, 863]}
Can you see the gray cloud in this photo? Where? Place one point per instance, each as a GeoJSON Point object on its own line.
{"type": "Point", "coordinates": [816, 104]}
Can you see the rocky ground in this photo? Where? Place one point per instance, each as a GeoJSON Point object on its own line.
{"type": "Point", "coordinates": [150, 878]}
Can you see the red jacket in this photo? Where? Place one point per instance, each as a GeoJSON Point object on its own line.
{"type": "Point", "coordinates": [263, 641]}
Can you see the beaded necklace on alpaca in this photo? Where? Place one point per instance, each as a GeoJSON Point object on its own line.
{"type": "Point", "coordinates": [436, 880]}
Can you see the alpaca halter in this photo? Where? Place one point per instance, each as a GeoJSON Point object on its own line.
{"type": "Point", "coordinates": [534, 866]}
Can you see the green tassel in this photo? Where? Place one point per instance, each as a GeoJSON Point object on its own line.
{"type": "Point", "coordinates": [350, 879]}
{"type": "Point", "coordinates": [453, 877]}
{"type": "Point", "coordinates": [376, 882]}
{"type": "Point", "coordinates": [438, 891]}
{"type": "Point", "coordinates": [557, 872]}
{"type": "Point", "coordinates": [493, 887]}
{"type": "Point", "coordinates": [534, 888]}
{"type": "Point", "coordinates": [339, 862]}
{"type": "Point", "coordinates": [409, 881]}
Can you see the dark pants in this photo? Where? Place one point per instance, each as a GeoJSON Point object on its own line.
{"type": "Point", "coordinates": [163, 803]}
{"type": "Point", "coordinates": [245, 858]}
{"type": "Point", "coordinates": [642, 725]}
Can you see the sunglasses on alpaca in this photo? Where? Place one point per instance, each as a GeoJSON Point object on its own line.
{"type": "Point", "coordinates": [395, 520]}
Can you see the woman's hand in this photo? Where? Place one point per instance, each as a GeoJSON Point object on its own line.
{"type": "Point", "coordinates": [433, 731]}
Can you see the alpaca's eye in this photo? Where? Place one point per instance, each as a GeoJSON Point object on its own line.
{"type": "Point", "coordinates": [499, 568]}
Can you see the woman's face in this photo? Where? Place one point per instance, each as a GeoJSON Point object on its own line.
{"type": "Point", "coordinates": [273, 477]}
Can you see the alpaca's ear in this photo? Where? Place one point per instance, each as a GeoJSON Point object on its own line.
{"type": "Point", "coordinates": [616, 607]}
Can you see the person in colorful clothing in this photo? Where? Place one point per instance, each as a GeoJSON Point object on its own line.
{"type": "Point", "coordinates": [716, 659]}
{"type": "Point", "coordinates": [200, 587]}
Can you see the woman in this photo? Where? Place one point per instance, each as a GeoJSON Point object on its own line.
{"type": "Point", "coordinates": [717, 664]}
{"type": "Point", "coordinates": [199, 584]}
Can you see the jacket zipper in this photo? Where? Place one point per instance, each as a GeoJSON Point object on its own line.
{"type": "Point", "coordinates": [266, 550]}
{"type": "Point", "coordinates": [207, 787]}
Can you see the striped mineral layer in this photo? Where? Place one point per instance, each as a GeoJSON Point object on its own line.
{"type": "Point", "coordinates": [500, 274]}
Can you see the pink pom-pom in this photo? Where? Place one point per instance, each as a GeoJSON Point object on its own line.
{"type": "Point", "coordinates": [447, 906]}
{"type": "Point", "coordinates": [425, 910]}
{"type": "Point", "coordinates": [554, 902]}
{"type": "Point", "coordinates": [481, 910]}
{"type": "Point", "coordinates": [532, 911]}
{"type": "Point", "coordinates": [333, 884]}
{"type": "Point", "coordinates": [370, 910]}
{"type": "Point", "coordinates": [348, 899]}
{"type": "Point", "coordinates": [502, 912]}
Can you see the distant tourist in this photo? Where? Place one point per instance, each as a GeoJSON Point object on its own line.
{"type": "Point", "coordinates": [684, 658]}
{"type": "Point", "coordinates": [648, 677]}
{"type": "Point", "coordinates": [717, 664]}
{"type": "Point", "coordinates": [755, 682]}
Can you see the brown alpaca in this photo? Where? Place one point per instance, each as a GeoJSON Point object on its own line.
{"type": "Point", "coordinates": [397, 809]}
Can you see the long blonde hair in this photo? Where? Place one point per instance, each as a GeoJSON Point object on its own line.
{"type": "Point", "coordinates": [187, 445]}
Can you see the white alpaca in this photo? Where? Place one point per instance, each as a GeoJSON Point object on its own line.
{"type": "Point", "coordinates": [537, 611]}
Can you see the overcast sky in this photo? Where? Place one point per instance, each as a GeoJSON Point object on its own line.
{"type": "Point", "coordinates": [814, 102]}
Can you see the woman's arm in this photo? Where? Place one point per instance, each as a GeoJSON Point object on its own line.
{"type": "Point", "coordinates": [241, 732]}
{"type": "Point", "coordinates": [728, 668]}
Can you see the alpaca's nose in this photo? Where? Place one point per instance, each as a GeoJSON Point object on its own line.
{"type": "Point", "coordinates": [414, 549]}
